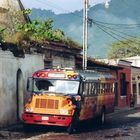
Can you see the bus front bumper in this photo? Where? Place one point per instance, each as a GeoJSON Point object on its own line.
{"type": "Point", "coordinates": [53, 120]}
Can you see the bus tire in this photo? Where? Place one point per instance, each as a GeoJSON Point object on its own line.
{"type": "Point", "coordinates": [103, 117]}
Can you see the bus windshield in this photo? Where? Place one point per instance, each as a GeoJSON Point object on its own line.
{"type": "Point", "coordinates": [57, 86]}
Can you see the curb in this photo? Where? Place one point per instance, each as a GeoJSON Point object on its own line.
{"type": "Point", "coordinates": [123, 110]}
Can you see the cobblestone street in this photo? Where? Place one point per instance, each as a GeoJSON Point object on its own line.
{"type": "Point", "coordinates": [120, 126]}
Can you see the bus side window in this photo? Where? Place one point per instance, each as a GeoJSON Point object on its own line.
{"type": "Point", "coordinates": [103, 87]}
{"type": "Point", "coordinates": [86, 88]}
{"type": "Point", "coordinates": [112, 90]}
{"type": "Point", "coordinates": [98, 88]}
{"type": "Point", "coordinates": [89, 88]}
{"type": "Point", "coordinates": [113, 87]}
{"type": "Point", "coordinates": [106, 90]}
{"type": "Point", "coordinates": [108, 87]}
{"type": "Point", "coordinates": [93, 89]}
{"type": "Point", "coordinates": [81, 88]}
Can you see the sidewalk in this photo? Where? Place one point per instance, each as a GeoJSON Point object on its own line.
{"type": "Point", "coordinates": [123, 110]}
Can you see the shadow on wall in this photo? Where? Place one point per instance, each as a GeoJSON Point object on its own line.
{"type": "Point", "coordinates": [19, 94]}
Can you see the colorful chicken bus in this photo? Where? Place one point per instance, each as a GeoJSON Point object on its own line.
{"type": "Point", "coordinates": [64, 97]}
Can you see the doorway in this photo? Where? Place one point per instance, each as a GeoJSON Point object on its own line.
{"type": "Point", "coordinates": [19, 94]}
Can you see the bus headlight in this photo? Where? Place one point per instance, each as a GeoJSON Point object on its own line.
{"type": "Point", "coordinates": [63, 111]}
{"type": "Point", "coordinates": [29, 110]}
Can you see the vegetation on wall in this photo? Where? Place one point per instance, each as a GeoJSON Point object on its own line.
{"type": "Point", "coordinates": [126, 48]}
{"type": "Point", "coordinates": [38, 31]}
{"type": "Point", "coordinates": [33, 34]}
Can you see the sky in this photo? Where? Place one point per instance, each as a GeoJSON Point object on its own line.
{"type": "Point", "coordinates": [59, 6]}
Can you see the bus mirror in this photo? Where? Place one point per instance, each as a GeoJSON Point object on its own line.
{"type": "Point", "coordinates": [29, 84]}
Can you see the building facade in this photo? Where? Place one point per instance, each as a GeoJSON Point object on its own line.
{"type": "Point", "coordinates": [135, 84]}
{"type": "Point", "coordinates": [13, 77]}
{"type": "Point", "coordinates": [124, 84]}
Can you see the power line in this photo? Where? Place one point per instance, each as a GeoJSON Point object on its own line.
{"type": "Point", "coordinates": [112, 35]}
{"type": "Point", "coordinates": [117, 24]}
{"type": "Point", "coordinates": [100, 23]}
{"type": "Point", "coordinates": [80, 16]}
{"type": "Point", "coordinates": [122, 33]}
{"type": "Point", "coordinates": [107, 33]}
{"type": "Point", "coordinates": [112, 29]}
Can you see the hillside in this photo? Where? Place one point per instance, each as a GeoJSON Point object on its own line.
{"type": "Point", "coordinates": [123, 13]}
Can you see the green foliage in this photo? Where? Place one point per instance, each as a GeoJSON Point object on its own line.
{"type": "Point", "coordinates": [18, 39]}
{"type": "Point", "coordinates": [40, 31]}
{"type": "Point", "coordinates": [126, 48]}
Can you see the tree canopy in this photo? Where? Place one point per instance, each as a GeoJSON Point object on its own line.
{"type": "Point", "coordinates": [126, 48]}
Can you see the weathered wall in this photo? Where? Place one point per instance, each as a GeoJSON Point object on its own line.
{"type": "Point", "coordinates": [11, 93]}
{"type": "Point", "coordinates": [64, 62]}
{"type": "Point", "coordinates": [10, 13]}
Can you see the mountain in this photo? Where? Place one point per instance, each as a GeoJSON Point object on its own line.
{"type": "Point", "coordinates": [122, 14]}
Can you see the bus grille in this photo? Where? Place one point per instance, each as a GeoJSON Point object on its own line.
{"type": "Point", "coordinates": [47, 103]}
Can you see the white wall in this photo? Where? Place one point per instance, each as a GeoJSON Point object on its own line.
{"type": "Point", "coordinates": [9, 65]}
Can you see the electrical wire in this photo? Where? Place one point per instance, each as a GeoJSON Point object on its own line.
{"type": "Point", "coordinates": [64, 10]}
{"type": "Point", "coordinates": [116, 30]}
{"type": "Point", "coordinates": [122, 35]}
{"type": "Point", "coordinates": [117, 24]}
{"type": "Point", "coordinates": [113, 35]}
{"type": "Point", "coordinates": [101, 24]}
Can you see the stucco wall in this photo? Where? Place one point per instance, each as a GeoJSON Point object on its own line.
{"type": "Point", "coordinates": [64, 62]}
{"type": "Point", "coordinates": [9, 66]}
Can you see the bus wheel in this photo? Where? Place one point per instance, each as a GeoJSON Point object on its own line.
{"type": "Point", "coordinates": [103, 117]}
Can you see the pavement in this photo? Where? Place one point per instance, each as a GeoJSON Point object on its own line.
{"type": "Point", "coordinates": [116, 111]}
{"type": "Point", "coordinates": [123, 110]}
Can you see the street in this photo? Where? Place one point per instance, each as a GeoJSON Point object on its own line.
{"type": "Point", "coordinates": [119, 126]}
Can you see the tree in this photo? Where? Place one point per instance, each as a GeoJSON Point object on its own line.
{"type": "Point", "coordinates": [126, 48]}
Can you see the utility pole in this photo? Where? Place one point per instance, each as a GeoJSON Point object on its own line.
{"type": "Point", "coordinates": [85, 33]}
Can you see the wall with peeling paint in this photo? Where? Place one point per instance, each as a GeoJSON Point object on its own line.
{"type": "Point", "coordinates": [9, 66]}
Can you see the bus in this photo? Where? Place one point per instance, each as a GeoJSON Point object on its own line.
{"type": "Point", "coordinates": [65, 97]}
